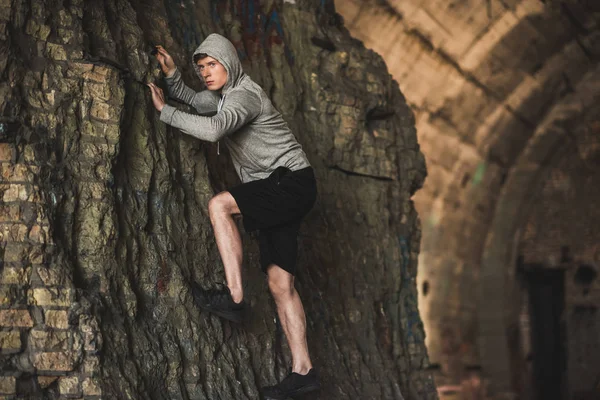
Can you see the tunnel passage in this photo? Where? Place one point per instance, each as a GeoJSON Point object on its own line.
{"type": "Point", "coordinates": [545, 293]}
{"type": "Point", "coordinates": [500, 91]}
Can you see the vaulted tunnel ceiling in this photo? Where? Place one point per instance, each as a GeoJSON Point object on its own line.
{"type": "Point", "coordinates": [497, 87]}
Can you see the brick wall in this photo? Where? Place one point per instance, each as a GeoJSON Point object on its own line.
{"type": "Point", "coordinates": [563, 231]}
{"type": "Point", "coordinates": [40, 349]}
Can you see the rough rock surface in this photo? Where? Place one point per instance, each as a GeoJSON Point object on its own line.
{"type": "Point", "coordinates": [104, 208]}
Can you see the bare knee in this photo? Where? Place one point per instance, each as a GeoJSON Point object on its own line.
{"type": "Point", "coordinates": [281, 284]}
{"type": "Point", "coordinates": [223, 204]}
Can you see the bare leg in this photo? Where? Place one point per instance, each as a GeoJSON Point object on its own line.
{"type": "Point", "coordinates": [221, 208]}
{"type": "Point", "coordinates": [292, 317]}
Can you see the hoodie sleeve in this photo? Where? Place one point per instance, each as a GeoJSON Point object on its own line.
{"type": "Point", "coordinates": [205, 102]}
{"type": "Point", "coordinates": [239, 108]}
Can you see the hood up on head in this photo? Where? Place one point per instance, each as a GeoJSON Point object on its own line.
{"type": "Point", "coordinates": [221, 49]}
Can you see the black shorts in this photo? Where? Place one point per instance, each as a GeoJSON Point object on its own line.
{"type": "Point", "coordinates": [275, 207]}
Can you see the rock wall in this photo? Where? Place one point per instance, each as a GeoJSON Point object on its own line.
{"type": "Point", "coordinates": [104, 217]}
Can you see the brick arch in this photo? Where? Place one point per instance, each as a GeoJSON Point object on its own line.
{"type": "Point", "coordinates": [514, 201]}
{"type": "Point", "coordinates": [480, 82]}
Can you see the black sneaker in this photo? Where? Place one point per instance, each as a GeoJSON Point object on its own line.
{"type": "Point", "coordinates": [219, 302]}
{"type": "Point", "coordinates": [292, 385]}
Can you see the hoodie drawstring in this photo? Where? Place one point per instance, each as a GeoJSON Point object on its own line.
{"type": "Point", "coordinates": [219, 109]}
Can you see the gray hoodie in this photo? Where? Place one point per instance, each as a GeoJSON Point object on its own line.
{"type": "Point", "coordinates": [242, 116]}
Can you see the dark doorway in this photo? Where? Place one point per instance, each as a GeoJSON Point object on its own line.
{"type": "Point", "coordinates": [546, 289]}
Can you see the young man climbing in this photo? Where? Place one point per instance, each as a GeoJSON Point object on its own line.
{"type": "Point", "coordinates": [278, 188]}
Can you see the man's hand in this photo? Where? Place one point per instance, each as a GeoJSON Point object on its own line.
{"type": "Point", "coordinates": [166, 61]}
{"type": "Point", "coordinates": [158, 98]}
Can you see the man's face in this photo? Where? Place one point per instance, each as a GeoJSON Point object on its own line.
{"type": "Point", "coordinates": [213, 72]}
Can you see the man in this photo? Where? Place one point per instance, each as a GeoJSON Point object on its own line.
{"type": "Point", "coordinates": [278, 188]}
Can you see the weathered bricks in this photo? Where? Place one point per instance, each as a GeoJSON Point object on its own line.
{"type": "Point", "coordinates": [46, 381]}
{"type": "Point", "coordinates": [53, 361]}
{"type": "Point", "coordinates": [15, 318]}
{"type": "Point", "coordinates": [13, 296]}
{"type": "Point", "coordinates": [16, 275]}
{"type": "Point", "coordinates": [55, 297]}
{"type": "Point", "coordinates": [10, 212]}
{"type": "Point", "coordinates": [13, 232]}
{"type": "Point", "coordinates": [21, 212]}
{"type": "Point", "coordinates": [41, 332]}
{"type": "Point", "coordinates": [7, 152]}
{"type": "Point", "coordinates": [15, 252]}
{"type": "Point", "coordinates": [49, 276]}
{"type": "Point", "coordinates": [97, 74]}
{"type": "Point", "coordinates": [7, 385]}
{"type": "Point", "coordinates": [91, 364]}
{"type": "Point", "coordinates": [19, 192]}
{"type": "Point", "coordinates": [91, 387]}
{"type": "Point", "coordinates": [49, 340]}
{"type": "Point", "coordinates": [10, 341]}
{"type": "Point", "coordinates": [57, 319]}
{"type": "Point", "coordinates": [17, 172]}
{"type": "Point", "coordinates": [69, 385]}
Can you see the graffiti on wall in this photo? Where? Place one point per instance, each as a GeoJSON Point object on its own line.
{"type": "Point", "coordinates": [261, 30]}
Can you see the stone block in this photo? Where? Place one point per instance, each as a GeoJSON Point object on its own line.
{"type": "Point", "coordinates": [7, 152]}
{"type": "Point", "coordinates": [64, 18]}
{"type": "Point", "coordinates": [13, 232]}
{"type": "Point", "coordinates": [56, 52]}
{"type": "Point", "coordinates": [12, 192]}
{"type": "Point", "coordinates": [97, 129]}
{"type": "Point", "coordinates": [13, 296]}
{"type": "Point", "coordinates": [91, 387]}
{"type": "Point", "coordinates": [46, 381]}
{"type": "Point", "coordinates": [10, 212]}
{"type": "Point", "coordinates": [19, 192]}
{"type": "Point", "coordinates": [94, 90]}
{"type": "Point", "coordinates": [15, 252]}
{"type": "Point", "coordinates": [39, 234]}
{"type": "Point", "coordinates": [101, 111]}
{"type": "Point", "coordinates": [50, 276]}
{"type": "Point", "coordinates": [98, 74]}
{"type": "Point", "coordinates": [36, 30]}
{"type": "Point", "coordinates": [16, 275]}
{"type": "Point", "coordinates": [58, 319]}
{"type": "Point", "coordinates": [17, 172]}
{"type": "Point", "coordinates": [55, 297]}
{"type": "Point", "coordinates": [97, 151]}
{"type": "Point", "coordinates": [77, 69]}
{"type": "Point", "coordinates": [65, 35]}
{"type": "Point", "coordinates": [75, 54]}
{"type": "Point", "coordinates": [10, 342]}
{"type": "Point", "coordinates": [16, 318]}
{"type": "Point", "coordinates": [28, 154]}
{"type": "Point", "coordinates": [8, 385]}
{"type": "Point", "coordinates": [69, 385]}
{"type": "Point", "coordinates": [91, 365]}
{"type": "Point", "coordinates": [49, 340]}
{"type": "Point", "coordinates": [90, 342]}
{"type": "Point", "coordinates": [53, 361]}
